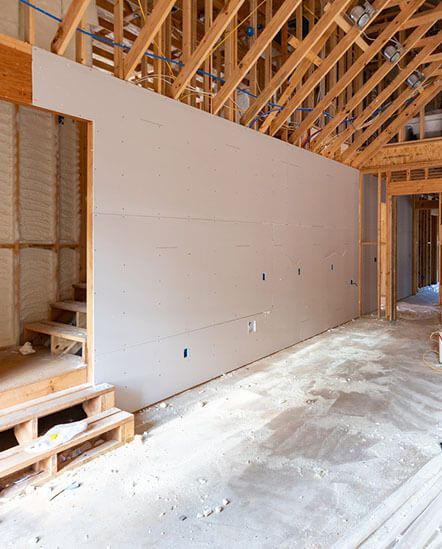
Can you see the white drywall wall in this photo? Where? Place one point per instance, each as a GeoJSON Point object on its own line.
{"type": "Point", "coordinates": [404, 246]}
{"type": "Point", "coordinates": [189, 212]}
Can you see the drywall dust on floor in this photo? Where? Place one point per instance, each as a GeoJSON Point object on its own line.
{"type": "Point", "coordinates": [295, 450]}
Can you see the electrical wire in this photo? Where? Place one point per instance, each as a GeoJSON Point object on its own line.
{"type": "Point", "coordinates": [274, 107]}
{"type": "Point", "coordinates": [155, 43]}
{"type": "Point", "coordinates": [216, 46]}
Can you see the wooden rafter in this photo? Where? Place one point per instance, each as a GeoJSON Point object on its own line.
{"type": "Point", "coordinates": [263, 40]}
{"type": "Point", "coordinates": [357, 67]}
{"type": "Point", "coordinates": [386, 93]}
{"type": "Point", "coordinates": [408, 112]}
{"type": "Point", "coordinates": [370, 85]}
{"type": "Point", "coordinates": [287, 68]}
{"type": "Point", "coordinates": [68, 26]}
{"type": "Point", "coordinates": [205, 46]}
{"type": "Point", "coordinates": [276, 121]}
{"type": "Point", "coordinates": [147, 34]}
{"type": "Point", "coordinates": [385, 116]}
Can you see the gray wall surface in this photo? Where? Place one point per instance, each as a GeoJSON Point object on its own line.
{"type": "Point", "coordinates": [404, 246]}
{"type": "Point", "coordinates": [201, 228]}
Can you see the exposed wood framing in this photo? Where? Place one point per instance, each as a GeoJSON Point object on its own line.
{"type": "Point", "coordinates": [312, 77]}
{"type": "Point", "coordinates": [147, 34]}
{"type": "Point", "coordinates": [69, 25]}
{"type": "Point", "coordinates": [15, 70]}
{"type": "Point", "coordinates": [263, 40]}
{"type": "Point", "coordinates": [204, 47]}
{"type": "Point", "coordinates": [355, 68]}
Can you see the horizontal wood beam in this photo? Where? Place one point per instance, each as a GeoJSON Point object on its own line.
{"type": "Point", "coordinates": [68, 26]}
{"type": "Point", "coordinates": [418, 186]}
{"type": "Point", "coordinates": [407, 155]}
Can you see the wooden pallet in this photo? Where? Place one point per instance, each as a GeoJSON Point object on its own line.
{"type": "Point", "coordinates": [108, 427]}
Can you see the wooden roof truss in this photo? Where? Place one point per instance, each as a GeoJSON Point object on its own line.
{"type": "Point", "coordinates": [298, 70]}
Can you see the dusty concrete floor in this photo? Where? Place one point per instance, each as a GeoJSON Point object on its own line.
{"type": "Point", "coordinates": [301, 446]}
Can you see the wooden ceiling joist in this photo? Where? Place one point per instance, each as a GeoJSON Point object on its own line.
{"type": "Point", "coordinates": [204, 48]}
{"type": "Point", "coordinates": [287, 68]}
{"type": "Point", "coordinates": [147, 34]}
{"type": "Point", "coordinates": [68, 26]}
{"type": "Point", "coordinates": [357, 67]}
{"type": "Point", "coordinates": [250, 58]}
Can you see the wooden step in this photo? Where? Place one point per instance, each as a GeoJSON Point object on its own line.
{"type": "Point", "coordinates": [113, 426]}
{"type": "Point", "coordinates": [80, 285]}
{"type": "Point", "coordinates": [95, 399]}
{"type": "Point", "coordinates": [73, 306]}
{"type": "Point", "coordinates": [57, 329]}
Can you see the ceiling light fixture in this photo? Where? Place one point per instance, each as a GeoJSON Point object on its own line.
{"type": "Point", "coordinates": [362, 15]}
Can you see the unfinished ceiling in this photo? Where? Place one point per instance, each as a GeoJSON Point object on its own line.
{"type": "Point", "coordinates": [341, 79]}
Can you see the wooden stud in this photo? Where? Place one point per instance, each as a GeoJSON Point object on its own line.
{"type": "Point", "coordinates": [119, 38]}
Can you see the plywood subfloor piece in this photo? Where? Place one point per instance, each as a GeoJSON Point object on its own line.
{"type": "Point", "coordinates": [32, 376]}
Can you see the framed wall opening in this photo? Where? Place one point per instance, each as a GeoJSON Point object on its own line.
{"type": "Point", "coordinates": [45, 253]}
{"type": "Point", "coordinates": [402, 235]}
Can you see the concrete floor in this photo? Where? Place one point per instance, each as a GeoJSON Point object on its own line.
{"type": "Point", "coordinates": [301, 449]}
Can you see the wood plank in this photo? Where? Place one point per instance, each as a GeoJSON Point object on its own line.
{"type": "Point", "coordinates": [42, 385]}
{"type": "Point", "coordinates": [418, 186]}
{"type": "Point", "coordinates": [68, 26]}
{"type": "Point", "coordinates": [17, 458]}
{"type": "Point", "coordinates": [412, 154]}
{"type": "Point", "coordinates": [147, 34]}
{"type": "Point", "coordinates": [56, 329]}
{"type": "Point", "coordinates": [15, 70]}
{"type": "Point", "coordinates": [50, 404]}
{"type": "Point", "coordinates": [73, 306]}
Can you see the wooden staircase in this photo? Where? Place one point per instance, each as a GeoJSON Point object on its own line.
{"type": "Point", "coordinates": [67, 327]}
{"type": "Point", "coordinates": [29, 411]}
{"type": "Point", "coordinates": [108, 427]}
